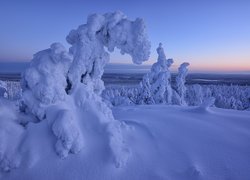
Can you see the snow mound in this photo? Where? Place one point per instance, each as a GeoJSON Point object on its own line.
{"type": "Point", "coordinates": [67, 133]}
{"type": "Point", "coordinates": [10, 136]}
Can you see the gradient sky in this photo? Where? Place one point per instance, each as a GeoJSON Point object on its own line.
{"type": "Point", "coordinates": [212, 35]}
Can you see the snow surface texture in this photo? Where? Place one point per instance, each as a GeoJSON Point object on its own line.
{"type": "Point", "coordinates": [62, 87]}
{"type": "Point", "coordinates": [166, 142]}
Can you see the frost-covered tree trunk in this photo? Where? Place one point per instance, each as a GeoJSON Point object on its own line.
{"type": "Point", "coordinates": [63, 87]}
{"type": "Point", "coordinates": [180, 82]}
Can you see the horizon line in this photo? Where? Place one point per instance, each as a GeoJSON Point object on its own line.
{"type": "Point", "coordinates": [147, 67]}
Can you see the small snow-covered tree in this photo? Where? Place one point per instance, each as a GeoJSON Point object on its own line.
{"type": "Point", "coordinates": [156, 86]}
{"type": "Point", "coordinates": [3, 89]}
{"type": "Point", "coordinates": [180, 82]}
{"type": "Point", "coordinates": [64, 88]}
{"type": "Point", "coordinates": [206, 103]}
{"type": "Point", "coordinates": [145, 91]}
{"type": "Point", "coordinates": [194, 95]}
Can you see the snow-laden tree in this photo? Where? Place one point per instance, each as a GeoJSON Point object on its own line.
{"type": "Point", "coordinates": [45, 81]}
{"type": "Point", "coordinates": [207, 103]}
{"type": "Point", "coordinates": [180, 82]}
{"type": "Point", "coordinates": [64, 88]}
{"type": "Point", "coordinates": [156, 85]}
{"type": "Point", "coordinates": [194, 95]}
{"type": "Point", "coordinates": [145, 95]}
{"type": "Point", "coordinates": [120, 96]}
{"type": "Point", "coordinates": [3, 89]}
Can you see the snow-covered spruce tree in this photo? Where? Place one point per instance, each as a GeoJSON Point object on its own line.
{"type": "Point", "coordinates": [180, 82]}
{"type": "Point", "coordinates": [64, 88]}
{"type": "Point", "coordinates": [156, 86]}
{"type": "Point", "coordinates": [145, 96]}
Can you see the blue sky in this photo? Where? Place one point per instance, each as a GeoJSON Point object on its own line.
{"type": "Point", "coordinates": [211, 35]}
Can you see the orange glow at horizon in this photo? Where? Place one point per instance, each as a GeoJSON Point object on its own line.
{"type": "Point", "coordinates": [223, 67]}
{"type": "Point", "coordinates": [222, 64]}
{"type": "Point", "coordinates": [214, 64]}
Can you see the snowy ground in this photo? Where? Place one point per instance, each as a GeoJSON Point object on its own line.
{"type": "Point", "coordinates": [164, 142]}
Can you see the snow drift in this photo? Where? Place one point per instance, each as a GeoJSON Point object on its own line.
{"type": "Point", "coordinates": [165, 142]}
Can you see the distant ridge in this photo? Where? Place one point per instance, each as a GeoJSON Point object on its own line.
{"type": "Point", "coordinates": [13, 67]}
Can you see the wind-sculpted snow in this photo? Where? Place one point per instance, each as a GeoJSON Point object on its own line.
{"type": "Point", "coordinates": [111, 30]}
{"type": "Point", "coordinates": [44, 82]}
{"type": "Point", "coordinates": [165, 142]}
{"type": "Point", "coordinates": [61, 87]}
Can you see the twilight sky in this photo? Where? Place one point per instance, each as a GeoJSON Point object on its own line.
{"type": "Point", "coordinates": [213, 35]}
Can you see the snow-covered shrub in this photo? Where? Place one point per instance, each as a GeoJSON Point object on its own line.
{"type": "Point", "coordinates": [155, 86]}
{"type": "Point", "coordinates": [14, 91]}
{"type": "Point", "coordinates": [180, 82]}
{"type": "Point", "coordinates": [194, 95]}
{"type": "Point", "coordinates": [228, 97]}
{"type": "Point", "coordinates": [119, 96]}
{"type": "Point", "coordinates": [207, 102]}
{"type": "Point", "coordinates": [3, 89]}
{"type": "Point", "coordinates": [145, 91]}
{"type": "Point", "coordinates": [62, 87]}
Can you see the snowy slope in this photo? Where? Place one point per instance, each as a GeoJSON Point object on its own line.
{"type": "Point", "coordinates": [164, 142]}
